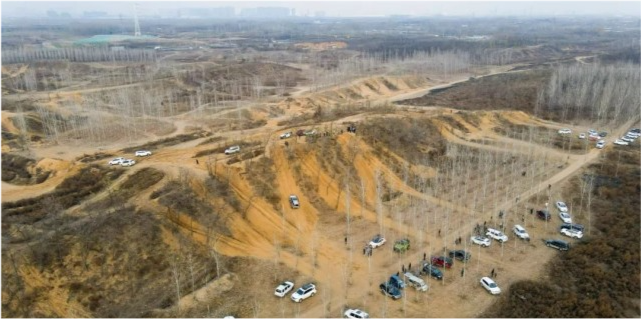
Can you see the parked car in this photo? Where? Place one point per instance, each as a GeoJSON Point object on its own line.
{"type": "Point", "coordinates": [490, 285]}
{"type": "Point", "coordinates": [565, 217]}
{"type": "Point", "coordinates": [116, 161]}
{"type": "Point", "coordinates": [389, 290]}
{"type": "Point", "coordinates": [636, 130]}
{"type": "Point", "coordinates": [558, 244]}
{"type": "Point", "coordinates": [627, 139]}
{"type": "Point", "coordinates": [127, 163]}
{"type": "Point", "coordinates": [572, 233]}
{"type": "Point", "coordinates": [377, 241]}
{"type": "Point", "coordinates": [603, 134]}
{"type": "Point", "coordinates": [480, 240]}
{"type": "Point", "coordinates": [561, 206]}
{"type": "Point", "coordinates": [304, 292]}
{"type": "Point", "coordinates": [621, 142]}
{"type": "Point", "coordinates": [582, 135]}
{"type": "Point", "coordinates": [442, 261]}
{"type": "Point", "coordinates": [632, 136]}
{"type": "Point", "coordinates": [402, 245]}
{"type": "Point", "coordinates": [397, 282]}
{"type": "Point", "coordinates": [232, 150]}
{"type": "Point", "coordinates": [461, 255]}
{"type": "Point", "coordinates": [283, 288]}
{"type": "Point", "coordinates": [572, 226]}
{"type": "Point", "coordinates": [593, 132]}
{"type": "Point", "coordinates": [433, 271]}
{"type": "Point", "coordinates": [415, 282]}
{"type": "Point", "coordinates": [520, 232]}
{"type": "Point", "coordinates": [286, 135]}
{"type": "Point", "coordinates": [600, 144]}
{"type": "Point", "coordinates": [293, 201]}
{"type": "Point", "coordinates": [543, 214]}
{"type": "Point", "coordinates": [356, 314]}
{"type": "Point", "coordinates": [310, 133]}
{"type": "Point", "coordinates": [496, 234]}
{"type": "Point", "coordinates": [300, 133]}
{"type": "Point", "coordinates": [565, 131]}
{"type": "Point", "coordinates": [143, 153]}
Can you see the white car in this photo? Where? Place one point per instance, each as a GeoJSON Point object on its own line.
{"type": "Point", "coordinates": [633, 134]}
{"type": "Point", "coordinates": [593, 132]}
{"type": "Point", "coordinates": [490, 285]}
{"type": "Point", "coordinates": [127, 163]}
{"type": "Point", "coordinates": [480, 240]}
{"type": "Point", "coordinates": [600, 144]}
{"type": "Point", "coordinates": [117, 161]}
{"type": "Point", "coordinates": [627, 139]}
{"type": "Point", "coordinates": [232, 150]}
{"type": "Point", "coordinates": [565, 217]}
{"type": "Point", "coordinates": [621, 142]}
{"type": "Point", "coordinates": [286, 135]}
{"type": "Point", "coordinates": [283, 288]}
{"type": "Point", "coordinates": [520, 232]}
{"type": "Point", "coordinates": [143, 153]}
{"type": "Point", "coordinates": [573, 233]}
{"type": "Point", "coordinates": [356, 314]}
{"type": "Point", "coordinates": [561, 206]}
{"type": "Point", "coordinates": [496, 234]}
{"type": "Point", "coordinates": [565, 131]}
{"type": "Point", "coordinates": [304, 292]}
{"type": "Point", "coordinates": [377, 241]}
{"type": "Point", "coordinates": [582, 136]}
{"type": "Point", "coordinates": [293, 201]}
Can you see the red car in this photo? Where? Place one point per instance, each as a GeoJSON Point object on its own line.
{"type": "Point", "coordinates": [442, 261]}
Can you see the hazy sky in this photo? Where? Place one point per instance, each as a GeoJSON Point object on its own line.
{"type": "Point", "coordinates": [337, 8]}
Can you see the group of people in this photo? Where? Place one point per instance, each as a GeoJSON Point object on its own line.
{"type": "Point", "coordinates": [367, 251]}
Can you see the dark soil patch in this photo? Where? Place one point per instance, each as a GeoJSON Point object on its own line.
{"type": "Point", "coordinates": [182, 138]}
{"type": "Point", "coordinates": [513, 91]}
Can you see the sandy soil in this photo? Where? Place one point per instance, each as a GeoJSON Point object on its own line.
{"type": "Point", "coordinates": [312, 241]}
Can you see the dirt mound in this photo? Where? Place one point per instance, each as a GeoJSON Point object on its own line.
{"type": "Point", "coordinates": [20, 170]}
{"type": "Point", "coordinates": [360, 92]}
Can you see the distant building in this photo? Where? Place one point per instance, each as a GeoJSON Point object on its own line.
{"type": "Point", "coordinates": [220, 12]}
{"type": "Point", "coordinates": [94, 14]}
{"type": "Point", "coordinates": [265, 12]}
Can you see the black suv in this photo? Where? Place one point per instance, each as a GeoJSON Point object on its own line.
{"type": "Point", "coordinates": [578, 227]}
{"type": "Point", "coordinates": [543, 214]}
{"type": "Point", "coordinates": [461, 255]}
{"type": "Point", "coordinates": [558, 244]}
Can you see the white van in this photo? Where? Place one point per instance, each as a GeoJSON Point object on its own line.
{"type": "Point", "coordinates": [415, 282]}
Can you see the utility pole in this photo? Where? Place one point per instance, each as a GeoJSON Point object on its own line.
{"type": "Point", "coordinates": [136, 24]}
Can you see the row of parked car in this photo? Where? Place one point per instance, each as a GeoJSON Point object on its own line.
{"type": "Point", "coordinates": [629, 137]}
{"type": "Point", "coordinates": [128, 162]}
{"type": "Point", "coordinates": [393, 287]}
{"type": "Point", "coordinates": [593, 135]}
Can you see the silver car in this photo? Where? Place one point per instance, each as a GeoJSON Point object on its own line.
{"type": "Point", "coordinates": [480, 240]}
